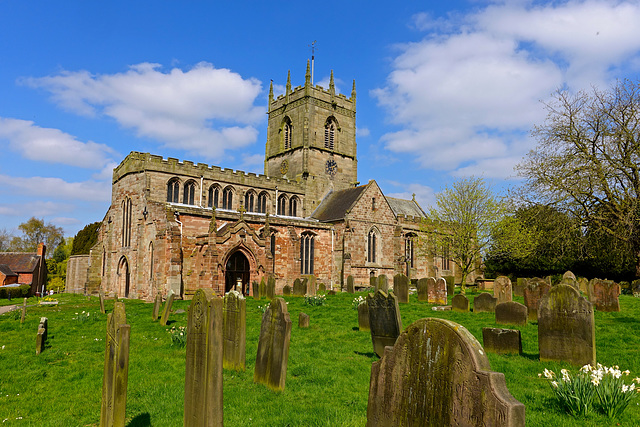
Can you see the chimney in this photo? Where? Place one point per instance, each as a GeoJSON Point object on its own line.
{"type": "Point", "coordinates": [41, 249]}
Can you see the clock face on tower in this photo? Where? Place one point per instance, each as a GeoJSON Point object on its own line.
{"type": "Point", "coordinates": [284, 167]}
{"type": "Point", "coordinates": [331, 167]}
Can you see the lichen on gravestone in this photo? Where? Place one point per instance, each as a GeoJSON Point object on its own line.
{"type": "Point", "coordinates": [422, 288]}
{"type": "Point", "coordinates": [502, 289]}
{"type": "Point", "coordinates": [401, 288]}
{"type": "Point", "coordinates": [273, 346]}
{"type": "Point", "coordinates": [234, 331]}
{"type": "Point", "coordinates": [166, 310]}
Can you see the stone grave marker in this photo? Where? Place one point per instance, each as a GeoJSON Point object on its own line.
{"type": "Point", "coordinates": [383, 283]}
{"type": "Point", "coordinates": [363, 316]}
{"type": "Point", "coordinates": [533, 291]}
{"type": "Point", "coordinates": [439, 294]}
{"type": "Point", "coordinates": [502, 341]}
{"type": "Point", "coordinates": [116, 368]}
{"type": "Point", "coordinates": [273, 346]}
{"type": "Point", "coordinates": [350, 287]}
{"type": "Point", "coordinates": [518, 287]}
{"type": "Point", "coordinates": [373, 283]}
{"type": "Point", "coordinates": [298, 288]}
{"type": "Point", "coordinates": [41, 337]}
{"type": "Point", "coordinates": [24, 311]}
{"type": "Point", "coordinates": [166, 310]}
{"type": "Point", "coordinates": [255, 290]}
{"type": "Point", "coordinates": [566, 327]}
{"type": "Point", "coordinates": [322, 288]}
{"type": "Point", "coordinates": [204, 361]}
{"type": "Point", "coordinates": [451, 284]}
{"type": "Point", "coordinates": [484, 303]}
{"type": "Point", "coordinates": [460, 303]}
{"type": "Point", "coordinates": [44, 324]}
{"type": "Point", "coordinates": [271, 288]}
{"type": "Point", "coordinates": [583, 285]}
{"type": "Point", "coordinates": [422, 288]}
{"type": "Point", "coordinates": [102, 310]}
{"type": "Point", "coordinates": [286, 291]}
{"type": "Point", "coordinates": [635, 286]}
{"type": "Point", "coordinates": [604, 294]}
{"type": "Point", "coordinates": [384, 320]}
{"type": "Point", "coordinates": [156, 307]}
{"type": "Point", "coordinates": [502, 289]}
{"type": "Point", "coordinates": [262, 288]}
{"type": "Point", "coordinates": [437, 374]}
{"type": "Point", "coordinates": [312, 286]}
{"type": "Point", "coordinates": [234, 314]}
{"type": "Point", "coordinates": [571, 282]}
{"type": "Point", "coordinates": [303, 320]}
{"type": "Point", "coordinates": [569, 275]}
{"type": "Point", "coordinates": [511, 313]}
{"type": "Point", "coordinates": [401, 288]}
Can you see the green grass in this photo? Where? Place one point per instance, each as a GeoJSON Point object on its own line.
{"type": "Point", "coordinates": [327, 379]}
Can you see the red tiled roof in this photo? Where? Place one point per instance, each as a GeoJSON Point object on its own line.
{"type": "Point", "coordinates": [20, 262]}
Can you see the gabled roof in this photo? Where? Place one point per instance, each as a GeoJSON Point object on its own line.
{"type": "Point", "coordinates": [6, 270]}
{"type": "Point", "coordinates": [336, 204]}
{"type": "Point", "coordinates": [20, 262]}
{"type": "Point", "coordinates": [405, 207]}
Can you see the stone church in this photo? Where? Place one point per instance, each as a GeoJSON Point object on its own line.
{"type": "Point", "coordinates": [180, 226]}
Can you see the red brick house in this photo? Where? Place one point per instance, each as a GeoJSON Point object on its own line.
{"type": "Point", "coordinates": [26, 268]}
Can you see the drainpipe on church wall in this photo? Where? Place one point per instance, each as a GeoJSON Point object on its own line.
{"type": "Point", "coordinates": [201, 183]}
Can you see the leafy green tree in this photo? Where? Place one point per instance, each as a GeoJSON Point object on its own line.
{"type": "Point", "coordinates": [34, 232]}
{"type": "Point", "coordinates": [63, 251]}
{"type": "Point", "coordinates": [57, 284]}
{"type": "Point", "coordinates": [85, 239]}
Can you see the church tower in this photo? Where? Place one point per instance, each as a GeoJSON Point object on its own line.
{"type": "Point", "coordinates": [311, 138]}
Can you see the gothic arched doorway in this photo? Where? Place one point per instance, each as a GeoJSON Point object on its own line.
{"type": "Point", "coordinates": [123, 277]}
{"type": "Point", "coordinates": [237, 271]}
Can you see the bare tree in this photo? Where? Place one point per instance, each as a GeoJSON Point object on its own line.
{"type": "Point", "coordinates": [5, 240]}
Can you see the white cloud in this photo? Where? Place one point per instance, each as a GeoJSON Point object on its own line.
{"type": "Point", "coordinates": [362, 132]}
{"type": "Point", "coordinates": [56, 188]}
{"type": "Point", "coordinates": [204, 110]}
{"type": "Point", "coordinates": [250, 161]}
{"type": "Point", "coordinates": [467, 94]}
{"type": "Point", "coordinates": [37, 208]}
{"type": "Point", "coordinates": [52, 145]}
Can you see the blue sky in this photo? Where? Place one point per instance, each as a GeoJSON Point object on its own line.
{"type": "Point", "coordinates": [445, 89]}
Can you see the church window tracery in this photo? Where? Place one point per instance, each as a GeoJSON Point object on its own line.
{"type": "Point", "coordinates": [173, 190]}
{"type": "Point", "coordinates": [372, 245]}
{"type": "Point", "coordinates": [214, 196]}
{"type": "Point", "coordinates": [262, 202]}
{"type": "Point", "coordinates": [249, 199]}
{"type": "Point", "coordinates": [330, 128]}
{"type": "Point", "coordinates": [287, 131]}
{"type": "Point", "coordinates": [282, 205]}
{"type": "Point", "coordinates": [188, 195]}
{"type": "Point", "coordinates": [126, 222]}
{"type": "Point", "coordinates": [307, 251]}
{"type": "Point", "coordinates": [227, 198]}
{"type": "Point", "coordinates": [293, 206]}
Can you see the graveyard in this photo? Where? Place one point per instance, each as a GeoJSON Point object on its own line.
{"type": "Point", "coordinates": [327, 377]}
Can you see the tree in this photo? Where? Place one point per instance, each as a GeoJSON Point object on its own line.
{"type": "Point", "coordinates": [5, 240]}
{"type": "Point", "coordinates": [85, 239]}
{"type": "Point", "coordinates": [35, 231]}
{"type": "Point", "coordinates": [587, 161]}
{"type": "Point", "coordinates": [464, 218]}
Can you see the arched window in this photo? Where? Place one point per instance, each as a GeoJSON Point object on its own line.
{"type": "Point", "coordinates": [173, 190]}
{"type": "Point", "coordinates": [293, 206]}
{"type": "Point", "coordinates": [287, 130]}
{"type": "Point", "coordinates": [262, 202]}
{"type": "Point", "coordinates": [306, 253]}
{"type": "Point", "coordinates": [282, 205]}
{"type": "Point", "coordinates": [409, 255]}
{"type": "Point", "coordinates": [126, 222]}
{"type": "Point", "coordinates": [227, 198]}
{"type": "Point", "coordinates": [150, 260]}
{"type": "Point", "coordinates": [372, 245]}
{"type": "Point", "coordinates": [249, 198]}
{"type": "Point", "coordinates": [214, 196]}
{"type": "Point", "coordinates": [188, 195]}
{"type": "Point", "coordinates": [330, 133]}
{"type": "Point", "coordinates": [446, 265]}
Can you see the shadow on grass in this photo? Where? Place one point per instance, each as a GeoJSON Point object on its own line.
{"type": "Point", "coordinates": [142, 420]}
{"type": "Point", "coordinates": [625, 319]}
{"type": "Point", "coordinates": [370, 355]}
{"type": "Point", "coordinates": [531, 356]}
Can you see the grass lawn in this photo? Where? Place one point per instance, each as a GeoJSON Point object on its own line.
{"type": "Point", "coordinates": [327, 380]}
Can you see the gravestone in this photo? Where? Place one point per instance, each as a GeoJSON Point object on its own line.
{"type": "Point", "coordinates": [166, 310]}
{"type": "Point", "coordinates": [263, 288]}
{"type": "Point", "coordinates": [383, 283]}
{"type": "Point", "coordinates": [299, 289]}
{"type": "Point", "coordinates": [384, 320]}
{"type": "Point", "coordinates": [156, 307]}
{"type": "Point", "coordinates": [204, 360]}
{"type": "Point", "coordinates": [583, 285]}
{"type": "Point", "coordinates": [635, 287]}
{"type": "Point", "coordinates": [44, 324]}
{"type": "Point", "coordinates": [460, 303]}
{"type": "Point", "coordinates": [322, 288]}
{"type": "Point", "coordinates": [604, 294]}
{"type": "Point", "coordinates": [271, 288]}
{"type": "Point", "coordinates": [502, 289]}
{"type": "Point", "coordinates": [273, 346]}
{"type": "Point", "coordinates": [502, 341]}
{"type": "Point", "coordinates": [373, 283]}
{"type": "Point", "coordinates": [511, 313]}
{"type": "Point", "coordinates": [303, 320]}
{"type": "Point", "coordinates": [533, 291]}
{"type": "Point", "coordinates": [363, 317]}
{"type": "Point", "coordinates": [312, 286]}
{"type": "Point", "coordinates": [102, 310]}
{"type": "Point", "coordinates": [569, 275]}
{"type": "Point", "coordinates": [350, 287]}
{"type": "Point", "coordinates": [24, 311]}
{"type": "Point", "coordinates": [571, 282]}
{"type": "Point", "coordinates": [234, 313]}
{"type": "Point", "coordinates": [437, 374]}
{"type": "Point", "coordinates": [286, 291]}
{"type": "Point", "coordinates": [451, 284]}
{"type": "Point", "coordinates": [566, 327]}
{"type": "Point", "coordinates": [518, 287]}
{"type": "Point", "coordinates": [401, 288]}
{"type": "Point", "coordinates": [41, 337]}
{"type": "Point", "coordinates": [484, 303]}
{"type": "Point", "coordinates": [439, 294]}
{"type": "Point", "coordinates": [116, 368]}
{"type": "Point", "coordinates": [422, 288]}
{"type": "Point", "coordinates": [255, 290]}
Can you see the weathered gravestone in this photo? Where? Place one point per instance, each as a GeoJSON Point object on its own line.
{"type": "Point", "coordinates": [262, 288]}
{"type": "Point", "coordinates": [635, 287]}
{"type": "Point", "coordinates": [286, 291]}
{"type": "Point", "coordinates": [401, 288]}
{"type": "Point", "coordinates": [299, 289]}
{"type": "Point", "coordinates": [502, 289]}
{"type": "Point", "coordinates": [503, 341]}
{"type": "Point", "coordinates": [439, 294]}
{"type": "Point", "coordinates": [24, 311]}
{"type": "Point", "coordinates": [373, 283]}
{"type": "Point", "coordinates": [235, 330]}
{"type": "Point", "coordinates": [166, 310]}
{"type": "Point", "coordinates": [44, 324]}
{"type": "Point", "coordinates": [569, 275]}
{"type": "Point", "coordinates": [533, 291]}
{"type": "Point", "coordinates": [384, 320]}
{"type": "Point", "coordinates": [460, 303]}
{"type": "Point", "coordinates": [273, 346]}
{"type": "Point", "coordinates": [518, 287]}
{"type": "Point", "coordinates": [303, 320]}
{"type": "Point", "coordinates": [255, 290]}
{"type": "Point", "coordinates": [350, 287]}
{"type": "Point", "coordinates": [363, 316]}
{"type": "Point", "coordinates": [451, 284]}
{"type": "Point", "coordinates": [437, 374]}
{"type": "Point", "coordinates": [102, 310]}
{"type": "Point", "coordinates": [383, 283]}
{"type": "Point", "coordinates": [204, 355]}
{"type": "Point", "coordinates": [511, 313]}
{"type": "Point", "coordinates": [156, 307]}
{"type": "Point", "coordinates": [322, 288]}
{"type": "Point", "coordinates": [570, 282]}
{"type": "Point", "coordinates": [422, 288]}
{"type": "Point", "coordinates": [583, 285]}
{"type": "Point", "coordinates": [41, 337]}
{"type": "Point", "coordinates": [566, 327]}
{"type": "Point", "coordinates": [116, 368]}
{"type": "Point", "coordinates": [604, 294]}
{"type": "Point", "coordinates": [271, 288]}
{"type": "Point", "coordinates": [312, 286]}
{"type": "Point", "coordinates": [484, 303]}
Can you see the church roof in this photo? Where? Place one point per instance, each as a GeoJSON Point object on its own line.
{"type": "Point", "coordinates": [336, 204]}
{"type": "Point", "coordinates": [20, 262]}
{"type": "Point", "coordinates": [405, 207]}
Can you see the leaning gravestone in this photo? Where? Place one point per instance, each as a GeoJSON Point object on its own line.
{"type": "Point", "coordinates": [44, 324]}
{"type": "Point", "coordinates": [384, 320]}
{"type": "Point", "coordinates": [437, 374]}
{"type": "Point", "coordinates": [383, 283]}
{"type": "Point", "coordinates": [156, 307]}
{"type": "Point", "coordinates": [535, 289]}
{"type": "Point", "coordinates": [273, 346]}
{"type": "Point", "coordinates": [401, 288]}
{"type": "Point", "coordinates": [286, 291]}
{"type": "Point", "coordinates": [484, 303]}
{"type": "Point", "coordinates": [566, 327]}
{"type": "Point", "coordinates": [102, 310]}
{"type": "Point", "coordinates": [299, 289]}
{"type": "Point", "coordinates": [502, 289]}
{"type": "Point", "coordinates": [511, 313]}
{"type": "Point", "coordinates": [204, 355]}
{"type": "Point", "coordinates": [116, 368]}
{"type": "Point", "coordinates": [502, 341]}
{"type": "Point", "coordinates": [271, 288]}
{"type": "Point", "coordinates": [460, 303]}
{"type": "Point", "coordinates": [303, 320]}
{"type": "Point", "coordinates": [263, 288]}
{"type": "Point", "coordinates": [451, 284]}
{"type": "Point", "coordinates": [41, 337]}
{"type": "Point", "coordinates": [439, 294]}
{"type": "Point", "coordinates": [422, 288]}
{"type": "Point", "coordinates": [234, 314]}
{"type": "Point", "coordinates": [363, 316]}
{"type": "Point", "coordinates": [166, 310]}
{"type": "Point", "coordinates": [350, 287]}
{"type": "Point", "coordinates": [603, 294]}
